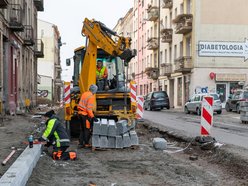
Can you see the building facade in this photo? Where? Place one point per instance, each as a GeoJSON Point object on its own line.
{"type": "Point", "coordinates": [19, 50]}
{"type": "Point", "coordinates": [49, 67]}
{"type": "Point", "coordinates": [207, 49]}
{"type": "Point", "coordinates": [190, 46]}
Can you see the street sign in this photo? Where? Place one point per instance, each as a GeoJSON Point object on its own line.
{"type": "Point", "coordinates": [223, 49]}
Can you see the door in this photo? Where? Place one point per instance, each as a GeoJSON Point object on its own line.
{"type": "Point", "coordinates": [191, 103]}
{"type": "Point", "coordinates": [221, 90]}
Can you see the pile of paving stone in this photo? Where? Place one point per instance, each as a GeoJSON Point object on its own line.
{"type": "Point", "coordinates": [111, 134]}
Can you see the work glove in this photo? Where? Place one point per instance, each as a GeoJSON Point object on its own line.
{"type": "Point", "coordinates": [95, 119]}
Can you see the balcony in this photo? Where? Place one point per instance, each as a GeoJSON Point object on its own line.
{"type": "Point", "coordinates": [152, 43]}
{"type": "Point", "coordinates": [183, 23]}
{"type": "Point", "coordinates": [167, 3]}
{"type": "Point", "coordinates": [28, 36]}
{"type": "Point", "coordinates": [166, 35]}
{"type": "Point", "coordinates": [39, 5]}
{"type": "Point", "coordinates": [15, 18]}
{"type": "Point", "coordinates": [4, 3]}
{"type": "Point", "coordinates": [152, 72]}
{"type": "Point", "coordinates": [153, 13]}
{"type": "Point", "coordinates": [39, 49]}
{"type": "Point", "coordinates": [183, 64]}
{"type": "Point", "coordinates": [166, 69]}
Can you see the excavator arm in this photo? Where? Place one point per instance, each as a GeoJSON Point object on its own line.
{"type": "Point", "coordinates": [98, 35]}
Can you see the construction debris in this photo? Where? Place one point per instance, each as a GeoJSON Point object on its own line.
{"type": "Point", "coordinates": [159, 143]}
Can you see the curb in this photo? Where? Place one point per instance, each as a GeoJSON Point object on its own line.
{"type": "Point", "coordinates": [20, 171]}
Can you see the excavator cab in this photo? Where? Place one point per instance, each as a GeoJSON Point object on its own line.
{"type": "Point", "coordinates": [115, 81]}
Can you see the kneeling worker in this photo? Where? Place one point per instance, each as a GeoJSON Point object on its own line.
{"type": "Point", "coordinates": [55, 134]}
{"type": "Point", "coordinates": [85, 111]}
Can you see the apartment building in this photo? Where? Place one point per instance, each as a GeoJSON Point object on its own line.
{"type": "Point", "coordinates": [145, 34]}
{"type": "Point", "coordinates": [49, 68]}
{"type": "Point", "coordinates": [19, 50]}
{"type": "Point", "coordinates": [203, 46]}
{"type": "Point", "coordinates": [190, 46]}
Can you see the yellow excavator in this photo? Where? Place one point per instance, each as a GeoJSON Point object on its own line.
{"type": "Point", "coordinates": [114, 51]}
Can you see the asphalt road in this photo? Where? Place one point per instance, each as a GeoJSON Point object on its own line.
{"type": "Point", "coordinates": [227, 127]}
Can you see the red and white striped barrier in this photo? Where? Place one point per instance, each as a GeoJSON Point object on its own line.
{"type": "Point", "coordinates": [140, 110]}
{"type": "Point", "coordinates": [133, 87]}
{"type": "Point", "coordinates": [67, 87]}
{"type": "Point", "coordinates": [61, 104]}
{"type": "Point", "coordinates": [206, 115]}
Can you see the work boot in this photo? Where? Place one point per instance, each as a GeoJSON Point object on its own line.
{"type": "Point", "coordinates": [87, 145]}
{"type": "Point", "coordinates": [80, 146]}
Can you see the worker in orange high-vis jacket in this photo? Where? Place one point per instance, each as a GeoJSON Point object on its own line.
{"type": "Point", "coordinates": [85, 111]}
{"type": "Point", "coordinates": [101, 75]}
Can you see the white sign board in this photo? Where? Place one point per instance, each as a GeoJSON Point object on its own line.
{"type": "Point", "coordinates": [223, 49]}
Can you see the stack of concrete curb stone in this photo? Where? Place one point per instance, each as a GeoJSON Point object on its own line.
{"type": "Point", "coordinates": [111, 134]}
{"type": "Point", "coordinates": [243, 111]}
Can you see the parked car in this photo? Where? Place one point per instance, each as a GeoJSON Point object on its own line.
{"type": "Point", "coordinates": [156, 101]}
{"type": "Point", "coordinates": [232, 103]}
{"type": "Point", "coordinates": [195, 102]}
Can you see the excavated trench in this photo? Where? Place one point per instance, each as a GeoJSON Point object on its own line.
{"type": "Point", "coordinates": [183, 163]}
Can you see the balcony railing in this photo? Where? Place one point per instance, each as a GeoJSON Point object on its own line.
{"type": "Point", "coordinates": [152, 43]}
{"type": "Point", "coordinates": [183, 64]}
{"type": "Point", "coordinates": [166, 35]}
{"type": "Point", "coordinates": [28, 36]}
{"type": "Point", "coordinates": [39, 48]}
{"type": "Point", "coordinates": [152, 72]}
{"type": "Point", "coordinates": [167, 4]}
{"type": "Point", "coordinates": [152, 12]}
{"type": "Point", "coordinates": [39, 5]}
{"type": "Point", "coordinates": [183, 23]}
{"type": "Point", "coordinates": [4, 3]}
{"type": "Point", "coordinates": [15, 18]}
{"type": "Point", "coordinates": [166, 69]}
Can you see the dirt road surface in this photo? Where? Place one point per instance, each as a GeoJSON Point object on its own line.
{"type": "Point", "coordinates": [139, 166]}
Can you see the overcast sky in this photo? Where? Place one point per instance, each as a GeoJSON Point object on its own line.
{"type": "Point", "coordinates": [68, 15]}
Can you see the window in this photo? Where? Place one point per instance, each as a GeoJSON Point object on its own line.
{"type": "Point", "coordinates": [181, 49]}
{"type": "Point", "coordinates": [155, 60]}
{"type": "Point", "coordinates": [170, 19]}
{"type": "Point", "coordinates": [181, 8]}
{"type": "Point", "coordinates": [161, 57]}
{"type": "Point", "coordinates": [188, 6]}
{"type": "Point", "coordinates": [175, 52]}
{"type": "Point", "coordinates": [141, 87]}
{"type": "Point", "coordinates": [165, 22]}
{"type": "Point", "coordinates": [188, 46]}
{"type": "Point", "coordinates": [165, 55]}
{"type": "Point", "coordinates": [197, 98]}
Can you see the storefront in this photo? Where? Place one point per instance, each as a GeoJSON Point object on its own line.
{"type": "Point", "coordinates": [227, 84]}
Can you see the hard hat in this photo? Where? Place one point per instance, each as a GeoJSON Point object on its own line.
{"type": "Point", "coordinates": [93, 88]}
